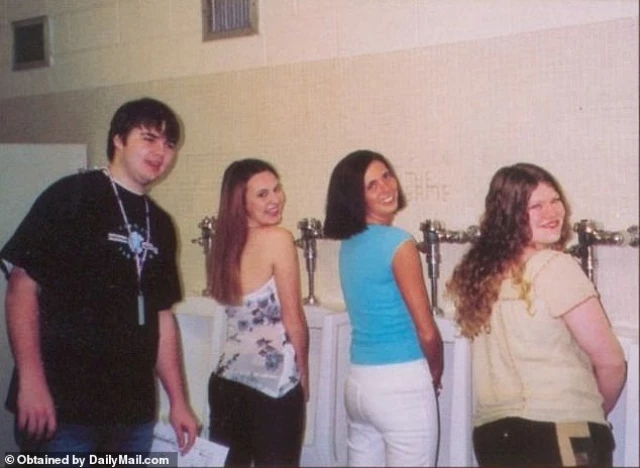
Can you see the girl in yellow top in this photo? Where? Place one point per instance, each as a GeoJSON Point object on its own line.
{"type": "Point", "coordinates": [547, 368]}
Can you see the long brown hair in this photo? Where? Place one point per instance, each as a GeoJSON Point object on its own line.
{"type": "Point", "coordinates": [232, 229]}
{"type": "Point", "coordinates": [504, 234]}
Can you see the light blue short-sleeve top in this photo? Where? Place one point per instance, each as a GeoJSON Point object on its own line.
{"type": "Point", "coordinates": [382, 329]}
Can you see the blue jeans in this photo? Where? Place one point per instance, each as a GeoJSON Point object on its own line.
{"type": "Point", "coordinates": [92, 438]}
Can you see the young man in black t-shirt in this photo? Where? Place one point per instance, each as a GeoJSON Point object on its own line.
{"type": "Point", "coordinates": [92, 278]}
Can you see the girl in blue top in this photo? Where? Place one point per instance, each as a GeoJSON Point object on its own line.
{"type": "Point", "coordinates": [391, 389]}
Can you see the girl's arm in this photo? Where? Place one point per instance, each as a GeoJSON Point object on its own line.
{"type": "Point", "coordinates": [591, 329]}
{"type": "Point", "coordinates": [407, 269]}
{"type": "Point", "coordinates": [287, 275]}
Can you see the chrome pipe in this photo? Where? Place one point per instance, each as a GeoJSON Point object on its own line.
{"type": "Point", "coordinates": [310, 230]}
{"type": "Point", "coordinates": [434, 234]}
{"type": "Point", "coordinates": [207, 228]}
{"type": "Point", "coordinates": [590, 235]}
{"type": "Point", "coordinates": [460, 237]}
{"type": "Point", "coordinates": [632, 236]}
{"type": "Point", "coordinates": [430, 246]}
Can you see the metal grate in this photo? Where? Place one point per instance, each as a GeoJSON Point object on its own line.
{"type": "Point", "coordinates": [229, 18]}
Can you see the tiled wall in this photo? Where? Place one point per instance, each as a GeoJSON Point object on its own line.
{"type": "Point", "coordinates": [111, 42]}
{"type": "Point", "coordinates": [447, 101]}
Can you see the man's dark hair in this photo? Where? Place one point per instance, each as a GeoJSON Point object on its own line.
{"type": "Point", "coordinates": [145, 112]}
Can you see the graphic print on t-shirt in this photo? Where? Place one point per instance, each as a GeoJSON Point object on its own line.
{"type": "Point", "coordinates": [134, 243]}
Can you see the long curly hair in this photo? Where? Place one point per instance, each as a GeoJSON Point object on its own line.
{"type": "Point", "coordinates": [496, 253]}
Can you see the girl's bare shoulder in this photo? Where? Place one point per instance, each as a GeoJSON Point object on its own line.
{"type": "Point", "coordinates": [275, 237]}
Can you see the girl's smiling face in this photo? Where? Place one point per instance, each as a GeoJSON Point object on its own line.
{"type": "Point", "coordinates": [380, 194]}
{"type": "Point", "coordinates": [264, 200]}
{"type": "Point", "coordinates": [546, 216]}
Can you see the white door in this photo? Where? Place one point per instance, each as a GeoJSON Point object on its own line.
{"type": "Point", "coordinates": [25, 170]}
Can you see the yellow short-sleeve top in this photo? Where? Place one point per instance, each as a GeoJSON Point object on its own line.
{"type": "Point", "coordinates": [529, 364]}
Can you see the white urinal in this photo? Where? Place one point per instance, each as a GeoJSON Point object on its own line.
{"type": "Point", "coordinates": [624, 417]}
{"type": "Point", "coordinates": [325, 436]}
{"type": "Point", "coordinates": [202, 327]}
{"type": "Point", "coordinates": [197, 319]}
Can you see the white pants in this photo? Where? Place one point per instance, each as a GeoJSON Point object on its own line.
{"type": "Point", "coordinates": [392, 415]}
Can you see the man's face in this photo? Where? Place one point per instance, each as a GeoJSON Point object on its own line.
{"type": "Point", "coordinates": [143, 158]}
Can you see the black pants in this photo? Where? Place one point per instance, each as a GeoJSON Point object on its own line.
{"type": "Point", "coordinates": [257, 429]}
{"type": "Point", "coordinates": [522, 442]}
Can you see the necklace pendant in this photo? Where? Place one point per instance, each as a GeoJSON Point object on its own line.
{"type": "Point", "coordinates": [135, 241]}
{"type": "Point", "coordinates": [141, 311]}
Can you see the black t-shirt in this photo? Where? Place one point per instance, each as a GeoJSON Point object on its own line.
{"type": "Point", "coordinates": [99, 360]}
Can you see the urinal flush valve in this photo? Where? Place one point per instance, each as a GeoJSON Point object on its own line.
{"type": "Point", "coordinates": [434, 234]}
{"type": "Point", "coordinates": [590, 235]}
{"type": "Point", "coordinates": [207, 228]}
{"type": "Point", "coordinates": [310, 230]}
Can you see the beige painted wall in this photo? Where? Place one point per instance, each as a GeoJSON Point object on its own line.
{"type": "Point", "coordinates": [111, 42]}
{"type": "Point", "coordinates": [449, 91]}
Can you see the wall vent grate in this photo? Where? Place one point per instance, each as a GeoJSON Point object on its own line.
{"type": "Point", "coordinates": [31, 48]}
{"type": "Point", "coordinates": [229, 18]}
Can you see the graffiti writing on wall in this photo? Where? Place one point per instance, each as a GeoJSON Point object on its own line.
{"type": "Point", "coordinates": [424, 186]}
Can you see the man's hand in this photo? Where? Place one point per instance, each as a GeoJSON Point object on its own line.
{"type": "Point", "coordinates": [185, 425]}
{"type": "Point", "coordinates": [36, 413]}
